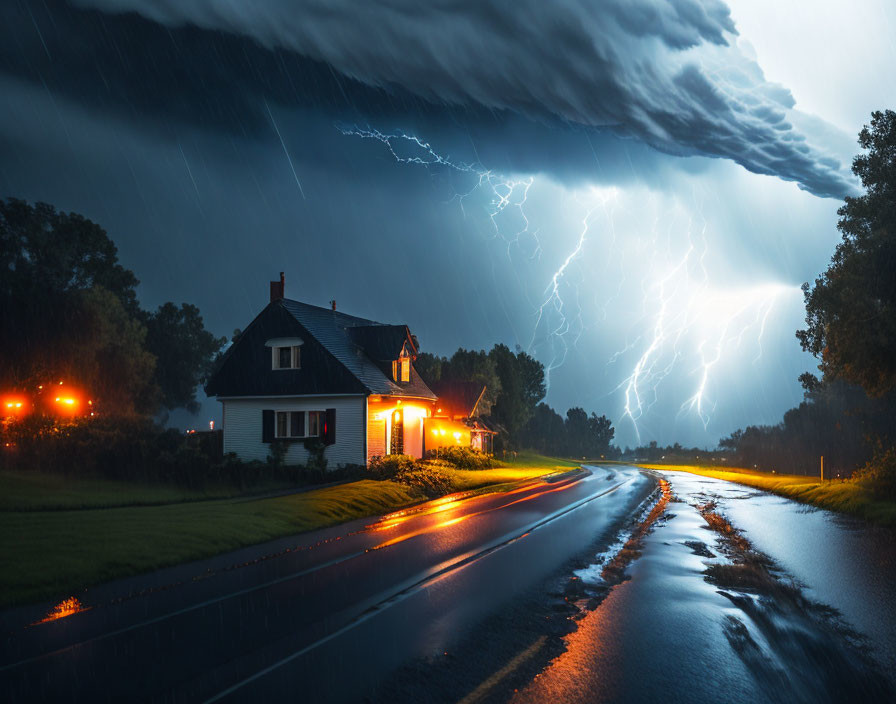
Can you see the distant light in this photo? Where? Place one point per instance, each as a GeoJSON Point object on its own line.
{"type": "Point", "coordinates": [211, 425]}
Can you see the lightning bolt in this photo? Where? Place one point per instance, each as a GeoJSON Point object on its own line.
{"type": "Point", "coordinates": [686, 326]}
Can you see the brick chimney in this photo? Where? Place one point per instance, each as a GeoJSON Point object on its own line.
{"type": "Point", "coordinates": [333, 304]}
{"type": "Point", "coordinates": [278, 289]}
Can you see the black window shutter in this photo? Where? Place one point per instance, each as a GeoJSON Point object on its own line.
{"type": "Point", "coordinates": [267, 426]}
{"type": "Point", "coordinates": [330, 427]}
{"type": "Point", "coordinates": [298, 424]}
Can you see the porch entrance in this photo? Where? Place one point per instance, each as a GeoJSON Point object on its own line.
{"type": "Point", "coordinates": [396, 441]}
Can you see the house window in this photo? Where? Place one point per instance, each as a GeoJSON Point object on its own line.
{"type": "Point", "coordinates": [287, 357]}
{"type": "Point", "coordinates": [315, 423]}
{"type": "Point", "coordinates": [290, 424]}
{"type": "Point", "coordinates": [401, 367]}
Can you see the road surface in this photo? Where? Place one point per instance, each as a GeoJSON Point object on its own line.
{"type": "Point", "coordinates": [612, 584]}
{"type": "Point", "coordinates": [361, 598]}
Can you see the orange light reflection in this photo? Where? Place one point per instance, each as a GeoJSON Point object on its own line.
{"type": "Point", "coordinates": [559, 486]}
{"type": "Point", "coordinates": [63, 609]}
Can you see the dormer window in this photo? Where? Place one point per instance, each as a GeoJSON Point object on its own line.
{"type": "Point", "coordinates": [286, 352]}
{"type": "Point", "coordinates": [401, 367]}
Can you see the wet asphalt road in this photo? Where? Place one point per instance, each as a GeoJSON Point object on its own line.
{"type": "Point", "coordinates": [825, 632]}
{"type": "Point", "coordinates": [320, 617]}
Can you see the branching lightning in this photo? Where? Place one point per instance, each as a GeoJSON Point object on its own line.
{"type": "Point", "coordinates": [686, 327]}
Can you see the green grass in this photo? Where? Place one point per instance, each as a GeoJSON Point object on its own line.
{"type": "Point", "coordinates": [38, 491]}
{"type": "Point", "coordinates": [52, 553]}
{"type": "Point", "coordinates": [532, 460]}
{"type": "Point", "coordinates": [48, 551]}
{"type": "Point", "coordinates": [845, 496]}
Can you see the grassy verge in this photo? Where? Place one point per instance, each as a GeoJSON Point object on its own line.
{"type": "Point", "coordinates": [49, 553]}
{"type": "Point", "coordinates": [54, 553]}
{"type": "Point", "coordinates": [39, 491]}
{"type": "Point", "coordinates": [845, 496]}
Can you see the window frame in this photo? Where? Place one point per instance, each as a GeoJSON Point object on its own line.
{"type": "Point", "coordinates": [295, 357]}
{"type": "Point", "coordinates": [321, 419]}
{"type": "Point", "coordinates": [288, 415]}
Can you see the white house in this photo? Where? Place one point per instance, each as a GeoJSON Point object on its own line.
{"type": "Point", "coordinates": [300, 371]}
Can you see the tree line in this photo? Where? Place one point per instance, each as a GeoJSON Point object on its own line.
{"type": "Point", "coordinates": [70, 312]}
{"type": "Point", "coordinates": [849, 412]}
{"type": "Point", "coordinates": [515, 387]}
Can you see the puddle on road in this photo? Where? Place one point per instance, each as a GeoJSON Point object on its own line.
{"type": "Point", "coordinates": [731, 626]}
{"type": "Point", "coordinates": [679, 607]}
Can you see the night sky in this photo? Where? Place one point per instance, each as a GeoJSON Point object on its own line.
{"type": "Point", "coordinates": [630, 190]}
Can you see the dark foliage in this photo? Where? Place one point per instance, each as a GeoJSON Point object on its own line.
{"type": "Point", "coordinates": [851, 309]}
{"type": "Point", "coordinates": [136, 449]}
{"type": "Point", "coordinates": [184, 352]}
{"type": "Point", "coordinates": [879, 475]}
{"type": "Point", "coordinates": [70, 312]}
{"type": "Point", "coordinates": [836, 420]}
{"type": "Point", "coordinates": [579, 435]}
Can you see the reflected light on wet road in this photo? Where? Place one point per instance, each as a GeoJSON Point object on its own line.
{"type": "Point", "coordinates": [68, 607]}
{"type": "Point", "coordinates": [538, 490]}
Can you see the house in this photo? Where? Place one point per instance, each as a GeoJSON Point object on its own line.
{"type": "Point", "coordinates": [459, 401]}
{"type": "Point", "coordinates": [301, 373]}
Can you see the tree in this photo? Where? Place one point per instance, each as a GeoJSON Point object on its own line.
{"type": "Point", "coordinates": [577, 432]}
{"type": "Point", "coordinates": [851, 309]}
{"type": "Point", "coordinates": [600, 435]}
{"type": "Point", "coordinates": [184, 350]}
{"type": "Point", "coordinates": [106, 353]}
{"type": "Point", "coordinates": [69, 309]}
{"type": "Point", "coordinates": [522, 387]}
{"type": "Point", "coordinates": [428, 366]}
{"type": "Point", "coordinates": [546, 431]}
{"type": "Point", "coordinates": [478, 366]}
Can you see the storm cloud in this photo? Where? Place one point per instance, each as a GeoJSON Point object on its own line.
{"type": "Point", "coordinates": [668, 74]}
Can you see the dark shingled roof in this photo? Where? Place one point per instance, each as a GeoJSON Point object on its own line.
{"type": "Point", "coordinates": [382, 342]}
{"type": "Point", "coordinates": [458, 398]}
{"type": "Point", "coordinates": [335, 357]}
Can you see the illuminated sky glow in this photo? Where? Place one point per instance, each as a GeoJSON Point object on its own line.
{"type": "Point", "coordinates": [635, 201]}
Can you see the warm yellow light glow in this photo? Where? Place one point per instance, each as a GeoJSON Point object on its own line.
{"type": "Point", "coordinates": [410, 413]}
{"type": "Point", "coordinates": [441, 431]}
{"type": "Point", "coordinates": [15, 405]}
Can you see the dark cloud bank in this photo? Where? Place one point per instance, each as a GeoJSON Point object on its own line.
{"type": "Point", "coordinates": [151, 118]}
{"type": "Point", "coordinates": [638, 67]}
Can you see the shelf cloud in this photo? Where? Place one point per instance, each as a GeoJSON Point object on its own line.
{"type": "Point", "coordinates": [668, 74]}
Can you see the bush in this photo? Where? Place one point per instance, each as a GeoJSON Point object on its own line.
{"type": "Point", "coordinates": [137, 449]}
{"type": "Point", "coordinates": [879, 475]}
{"type": "Point", "coordinates": [432, 481]}
{"type": "Point", "coordinates": [462, 457]}
{"type": "Point", "coordinates": [404, 469]}
{"type": "Point", "coordinates": [390, 465]}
